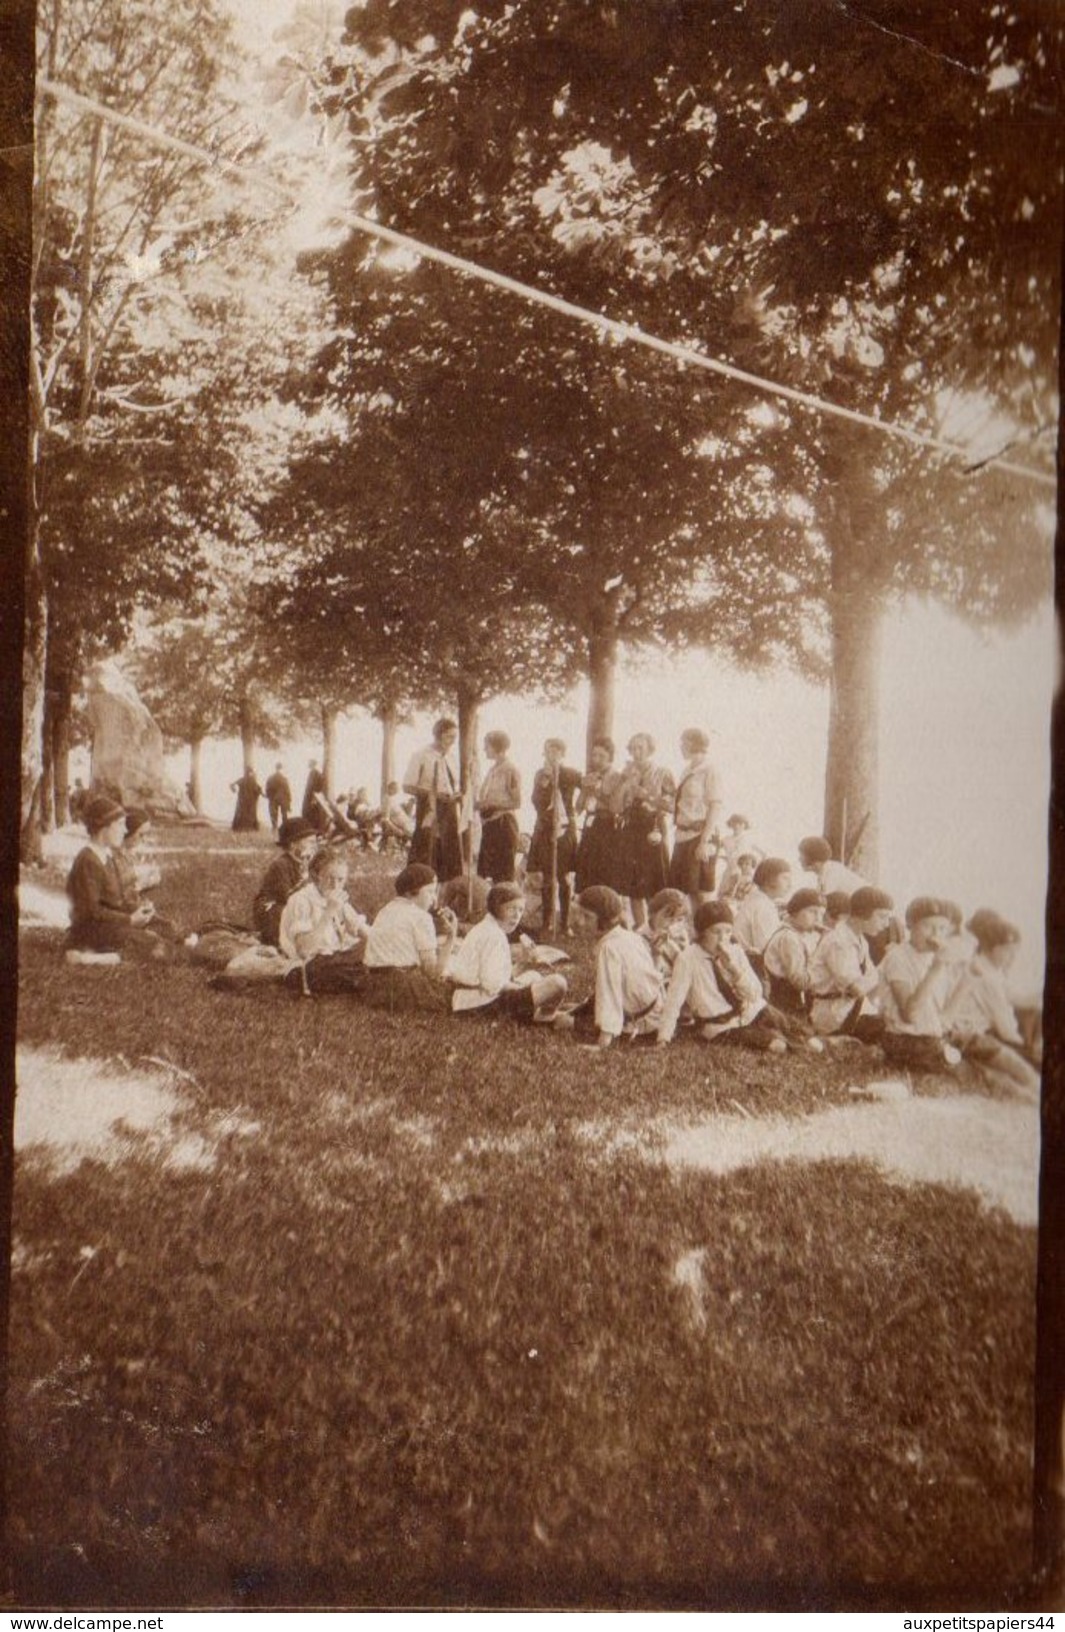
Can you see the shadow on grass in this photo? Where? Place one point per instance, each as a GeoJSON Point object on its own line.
{"type": "Point", "coordinates": [410, 1345]}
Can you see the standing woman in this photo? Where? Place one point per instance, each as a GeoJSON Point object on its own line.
{"type": "Point", "coordinates": [601, 801]}
{"type": "Point", "coordinates": [436, 842]}
{"type": "Point", "coordinates": [649, 795]}
{"type": "Point", "coordinates": [248, 792]}
{"type": "Point", "coordinates": [498, 804]}
{"type": "Point", "coordinates": [697, 806]}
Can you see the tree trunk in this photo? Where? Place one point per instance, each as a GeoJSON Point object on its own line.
{"type": "Point", "coordinates": [247, 731]}
{"type": "Point", "coordinates": [47, 800]}
{"type": "Point", "coordinates": [63, 702]}
{"type": "Point", "coordinates": [602, 673]}
{"type": "Point", "coordinates": [851, 820]}
{"type": "Point", "coordinates": [329, 747]}
{"type": "Point", "coordinates": [195, 791]}
{"type": "Point", "coordinates": [33, 662]}
{"type": "Point", "coordinates": [469, 709]}
{"type": "Point", "coordinates": [389, 718]}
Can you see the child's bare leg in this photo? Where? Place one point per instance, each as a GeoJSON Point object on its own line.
{"type": "Point", "coordinates": [547, 994]}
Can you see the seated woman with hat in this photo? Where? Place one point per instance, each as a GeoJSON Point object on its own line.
{"type": "Point", "coordinates": [102, 918]}
{"type": "Point", "coordinates": [298, 839]}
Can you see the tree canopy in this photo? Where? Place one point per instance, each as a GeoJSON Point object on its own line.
{"type": "Point", "coordinates": [857, 205]}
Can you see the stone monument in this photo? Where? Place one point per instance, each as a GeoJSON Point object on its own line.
{"type": "Point", "coordinates": [127, 746]}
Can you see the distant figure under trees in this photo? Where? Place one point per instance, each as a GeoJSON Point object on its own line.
{"type": "Point", "coordinates": [311, 810]}
{"type": "Point", "coordinates": [248, 792]}
{"type": "Point", "coordinates": [278, 797]}
{"type": "Point", "coordinates": [434, 785]}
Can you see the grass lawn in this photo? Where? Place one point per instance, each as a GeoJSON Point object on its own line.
{"type": "Point", "coordinates": [421, 1339]}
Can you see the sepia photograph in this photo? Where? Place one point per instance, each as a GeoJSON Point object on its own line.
{"type": "Point", "coordinates": [538, 661]}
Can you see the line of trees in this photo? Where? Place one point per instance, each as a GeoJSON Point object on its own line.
{"type": "Point", "coordinates": [164, 307]}
{"type": "Point", "coordinates": [445, 493]}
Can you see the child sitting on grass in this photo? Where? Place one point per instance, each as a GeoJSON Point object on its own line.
{"type": "Point", "coordinates": [980, 1016]}
{"type": "Point", "coordinates": [843, 977]}
{"type": "Point", "coordinates": [321, 931]}
{"type": "Point", "coordinates": [628, 987]}
{"type": "Point", "coordinates": [714, 982]}
{"type": "Point", "coordinates": [139, 875]}
{"type": "Point", "coordinates": [758, 914]}
{"type": "Point", "coordinates": [299, 841]}
{"type": "Point", "coordinates": [788, 952]}
{"type": "Point", "coordinates": [667, 929]}
{"type": "Point", "coordinates": [105, 919]}
{"type": "Point", "coordinates": [405, 963]}
{"type": "Point", "coordinates": [481, 973]}
{"type": "Point", "coordinates": [914, 979]}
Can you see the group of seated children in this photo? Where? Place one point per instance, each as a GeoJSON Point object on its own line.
{"type": "Point", "coordinates": [407, 959]}
{"type": "Point", "coordinates": [934, 999]}
{"type": "Point", "coordinates": [776, 970]}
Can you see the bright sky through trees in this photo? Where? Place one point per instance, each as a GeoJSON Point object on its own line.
{"type": "Point", "coordinates": [964, 774]}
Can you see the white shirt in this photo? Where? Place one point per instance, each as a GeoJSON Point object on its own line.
{"type": "Point", "coordinates": [840, 962]}
{"type": "Point", "coordinates": [836, 876]}
{"type": "Point", "coordinates": [982, 1004]}
{"type": "Point", "coordinates": [307, 908]}
{"type": "Point", "coordinates": [694, 984]}
{"type": "Point", "coordinates": [696, 797]}
{"type": "Point", "coordinates": [501, 788]}
{"type": "Point", "coordinates": [481, 966]}
{"type": "Point", "coordinates": [787, 955]}
{"type": "Point", "coordinates": [429, 772]}
{"type": "Point", "coordinates": [402, 936]}
{"type": "Point", "coordinates": [628, 987]}
{"type": "Point", "coordinates": [757, 918]}
{"type": "Point", "coordinates": [902, 965]}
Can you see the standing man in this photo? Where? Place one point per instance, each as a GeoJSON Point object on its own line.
{"type": "Point", "coordinates": [697, 806]}
{"type": "Point", "coordinates": [278, 798]}
{"type": "Point", "coordinates": [432, 781]}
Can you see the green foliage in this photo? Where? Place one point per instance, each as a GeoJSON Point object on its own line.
{"type": "Point", "coordinates": [864, 211]}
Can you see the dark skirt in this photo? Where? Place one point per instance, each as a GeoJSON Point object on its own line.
{"type": "Point", "coordinates": [439, 848]}
{"type": "Point", "coordinates": [912, 1052]}
{"type": "Point", "coordinates": [512, 1003]}
{"type": "Point", "coordinates": [687, 872]}
{"type": "Point", "coordinates": [330, 972]}
{"type": "Point", "coordinates": [499, 848]}
{"type": "Point", "coordinates": [786, 997]}
{"type": "Point", "coordinates": [646, 869]}
{"type": "Point", "coordinates": [600, 854]}
{"type": "Point", "coordinates": [405, 991]}
{"type": "Point", "coordinates": [540, 851]}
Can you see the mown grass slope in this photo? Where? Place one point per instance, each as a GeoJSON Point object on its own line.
{"type": "Point", "coordinates": [424, 1339]}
